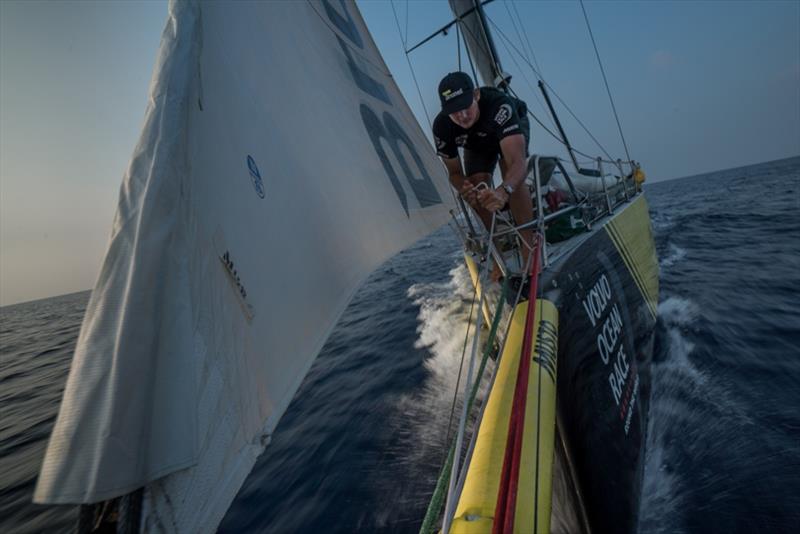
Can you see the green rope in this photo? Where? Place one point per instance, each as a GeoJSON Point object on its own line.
{"type": "Point", "coordinates": [437, 500]}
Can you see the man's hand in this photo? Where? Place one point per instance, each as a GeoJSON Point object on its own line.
{"type": "Point", "coordinates": [493, 199]}
{"type": "Point", "coordinates": [468, 193]}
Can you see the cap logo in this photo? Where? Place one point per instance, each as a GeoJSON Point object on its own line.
{"type": "Point", "coordinates": [449, 95]}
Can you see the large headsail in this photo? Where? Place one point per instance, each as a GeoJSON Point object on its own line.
{"type": "Point", "coordinates": [277, 167]}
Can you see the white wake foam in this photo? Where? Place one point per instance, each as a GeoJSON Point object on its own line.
{"type": "Point", "coordinates": [675, 382]}
{"type": "Point", "coordinates": [676, 254]}
{"type": "Point", "coordinates": [662, 222]}
{"type": "Point", "coordinates": [444, 319]}
{"type": "Point", "coordinates": [687, 406]}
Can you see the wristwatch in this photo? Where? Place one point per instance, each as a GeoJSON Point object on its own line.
{"type": "Point", "coordinates": [509, 188]}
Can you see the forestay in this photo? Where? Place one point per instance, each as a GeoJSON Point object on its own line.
{"type": "Point", "coordinates": [277, 167]}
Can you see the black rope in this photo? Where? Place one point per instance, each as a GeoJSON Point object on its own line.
{"type": "Point", "coordinates": [608, 89]}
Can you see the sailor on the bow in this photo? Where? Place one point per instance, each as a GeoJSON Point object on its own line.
{"type": "Point", "coordinates": [488, 124]}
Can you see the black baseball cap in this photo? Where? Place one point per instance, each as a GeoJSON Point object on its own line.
{"type": "Point", "coordinates": [455, 92]}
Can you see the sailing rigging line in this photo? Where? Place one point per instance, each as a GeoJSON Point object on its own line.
{"type": "Point", "coordinates": [608, 89]}
{"type": "Point", "coordinates": [527, 51]}
{"type": "Point", "coordinates": [469, 57]}
{"type": "Point", "coordinates": [511, 44]}
{"type": "Point", "coordinates": [460, 368]}
{"type": "Point", "coordinates": [516, 29]}
{"type": "Point", "coordinates": [416, 84]}
{"type": "Point", "coordinates": [479, 14]}
{"type": "Point", "coordinates": [406, 39]}
{"type": "Point", "coordinates": [411, 68]}
{"type": "Point", "coordinates": [535, 94]}
{"type": "Point", "coordinates": [514, 93]}
{"type": "Point", "coordinates": [458, 46]}
{"type": "Point", "coordinates": [527, 39]}
{"type": "Point", "coordinates": [466, 29]}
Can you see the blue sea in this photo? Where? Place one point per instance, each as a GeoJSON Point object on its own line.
{"type": "Point", "coordinates": [360, 447]}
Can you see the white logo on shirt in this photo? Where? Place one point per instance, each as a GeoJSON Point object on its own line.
{"type": "Point", "coordinates": [503, 114]}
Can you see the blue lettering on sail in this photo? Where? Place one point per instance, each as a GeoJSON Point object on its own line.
{"type": "Point", "coordinates": [363, 80]}
{"type": "Point", "coordinates": [388, 129]}
{"type": "Point", "coordinates": [343, 23]}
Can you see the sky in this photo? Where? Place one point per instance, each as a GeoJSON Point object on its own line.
{"type": "Point", "coordinates": [698, 87]}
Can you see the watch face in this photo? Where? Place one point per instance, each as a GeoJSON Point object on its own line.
{"type": "Point", "coordinates": [508, 188]}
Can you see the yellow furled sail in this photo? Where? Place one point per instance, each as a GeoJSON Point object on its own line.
{"type": "Point", "coordinates": [478, 499]}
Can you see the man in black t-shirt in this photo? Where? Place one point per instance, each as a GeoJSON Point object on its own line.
{"type": "Point", "coordinates": [488, 124]}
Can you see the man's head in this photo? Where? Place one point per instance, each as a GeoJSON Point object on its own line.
{"type": "Point", "coordinates": [459, 98]}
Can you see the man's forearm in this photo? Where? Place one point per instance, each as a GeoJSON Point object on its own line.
{"type": "Point", "coordinates": [515, 174]}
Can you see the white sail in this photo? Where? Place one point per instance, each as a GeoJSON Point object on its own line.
{"type": "Point", "coordinates": [277, 167]}
{"type": "Point", "coordinates": [478, 40]}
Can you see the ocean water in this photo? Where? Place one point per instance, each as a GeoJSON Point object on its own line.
{"type": "Point", "coordinates": [360, 447]}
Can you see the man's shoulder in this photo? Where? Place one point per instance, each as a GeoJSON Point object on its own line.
{"type": "Point", "coordinates": [442, 124]}
{"type": "Point", "coordinates": [493, 97]}
{"type": "Point", "coordinates": [498, 109]}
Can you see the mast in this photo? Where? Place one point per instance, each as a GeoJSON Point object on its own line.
{"type": "Point", "coordinates": [479, 41]}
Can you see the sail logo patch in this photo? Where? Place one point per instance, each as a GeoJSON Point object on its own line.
{"type": "Point", "coordinates": [439, 143]}
{"type": "Point", "coordinates": [255, 177]}
{"type": "Point", "coordinates": [503, 114]}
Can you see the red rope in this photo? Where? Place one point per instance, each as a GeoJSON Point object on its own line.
{"type": "Point", "coordinates": [509, 478]}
